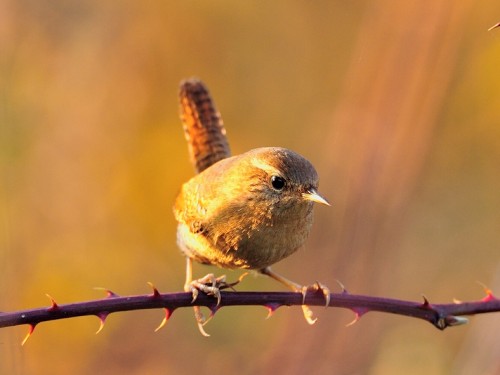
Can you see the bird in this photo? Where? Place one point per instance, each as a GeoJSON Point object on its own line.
{"type": "Point", "coordinates": [247, 211]}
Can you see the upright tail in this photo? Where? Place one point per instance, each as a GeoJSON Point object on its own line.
{"type": "Point", "coordinates": [203, 127]}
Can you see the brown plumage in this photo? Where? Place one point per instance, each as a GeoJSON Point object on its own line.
{"type": "Point", "coordinates": [230, 215]}
{"type": "Point", "coordinates": [247, 211]}
{"type": "Point", "coordinates": [203, 127]}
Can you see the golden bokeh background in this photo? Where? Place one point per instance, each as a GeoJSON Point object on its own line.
{"type": "Point", "coordinates": [397, 103]}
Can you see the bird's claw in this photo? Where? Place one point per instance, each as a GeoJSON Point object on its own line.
{"type": "Point", "coordinates": [200, 320]}
{"type": "Point", "coordinates": [316, 287]}
{"type": "Point", "coordinates": [211, 286]}
{"type": "Point", "coordinates": [208, 284]}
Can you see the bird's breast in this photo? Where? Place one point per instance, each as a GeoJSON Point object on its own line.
{"type": "Point", "coordinates": [274, 241]}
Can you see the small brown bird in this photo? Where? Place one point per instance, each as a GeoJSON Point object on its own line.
{"type": "Point", "coordinates": [247, 211]}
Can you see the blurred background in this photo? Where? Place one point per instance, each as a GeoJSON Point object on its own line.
{"type": "Point", "coordinates": [396, 103]}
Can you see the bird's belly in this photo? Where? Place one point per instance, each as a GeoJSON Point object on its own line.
{"type": "Point", "coordinates": [256, 249]}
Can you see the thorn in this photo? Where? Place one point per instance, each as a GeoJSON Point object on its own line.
{"type": "Point", "coordinates": [109, 293]}
{"type": "Point", "coordinates": [489, 293]}
{"type": "Point", "coordinates": [494, 26]}
{"type": "Point", "coordinates": [54, 305]}
{"type": "Point", "coordinates": [357, 317]}
{"type": "Point", "coordinates": [213, 309]}
{"type": "Point", "coordinates": [30, 332]}
{"type": "Point", "coordinates": [102, 319]}
{"type": "Point", "coordinates": [358, 313]}
{"type": "Point", "coordinates": [156, 293]}
{"type": "Point", "coordinates": [271, 308]}
{"type": "Point", "coordinates": [344, 290]}
{"type": "Point", "coordinates": [168, 314]}
{"type": "Point", "coordinates": [354, 321]}
{"type": "Point", "coordinates": [426, 304]}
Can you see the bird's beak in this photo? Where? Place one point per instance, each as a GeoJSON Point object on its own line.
{"type": "Point", "coordinates": [312, 195]}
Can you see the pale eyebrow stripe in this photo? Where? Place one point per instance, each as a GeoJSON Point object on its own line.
{"type": "Point", "coordinates": [269, 169]}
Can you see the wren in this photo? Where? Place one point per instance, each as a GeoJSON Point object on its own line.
{"type": "Point", "coordinates": [242, 212]}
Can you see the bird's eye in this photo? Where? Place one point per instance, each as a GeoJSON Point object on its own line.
{"type": "Point", "coordinates": [277, 182]}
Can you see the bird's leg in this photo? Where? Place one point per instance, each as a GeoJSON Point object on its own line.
{"type": "Point", "coordinates": [308, 315]}
{"type": "Point", "coordinates": [208, 284]}
{"type": "Point", "coordinates": [190, 287]}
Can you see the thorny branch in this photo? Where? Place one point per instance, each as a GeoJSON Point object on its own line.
{"type": "Point", "coordinates": [439, 315]}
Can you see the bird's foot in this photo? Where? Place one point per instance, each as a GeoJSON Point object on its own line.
{"type": "Point", "coordinates": [211, 286]}
{"type": "Point", "coordinates": [208, 284]}
{"type": "Point", "coordinates": [315, 288]}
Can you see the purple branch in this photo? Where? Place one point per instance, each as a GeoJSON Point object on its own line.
{"type": "Point", "coordinates": [440, 315]}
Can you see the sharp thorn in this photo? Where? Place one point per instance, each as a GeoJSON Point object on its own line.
{"type": "Point", "coordinates": [101, 326]}
{"type": "Point", "coordinates": [344, 290]}
{"type": "Point", "coordinates": [426, 303]}
{"type": "Point", "coordinates": [156, 293]}
{"type": "Point", "coordinates": [271, 308]}
{"type": "Point", "coordinates": [54, 305]}
{"type": "Point", "coordinates": [109, 293]}
{"type": "Point", "coordinates": [358, 313]}
{"type": "Point", "coordinates": [494, 26]}
{"type": "Point", "coordinates": [168, 314]}
{"type": "Point", "coordinates": [30, 332]}
{"type": "Point", "coordinates": [102, 319]}
{"type": "Point", "coordinates": [489, 294]}
{"type": "Point", "coordinates": [213, 309]}
{"type": "Point", "coordinates": [355, 320]}
{"type": "Point", "coordinates": [162, 324]}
